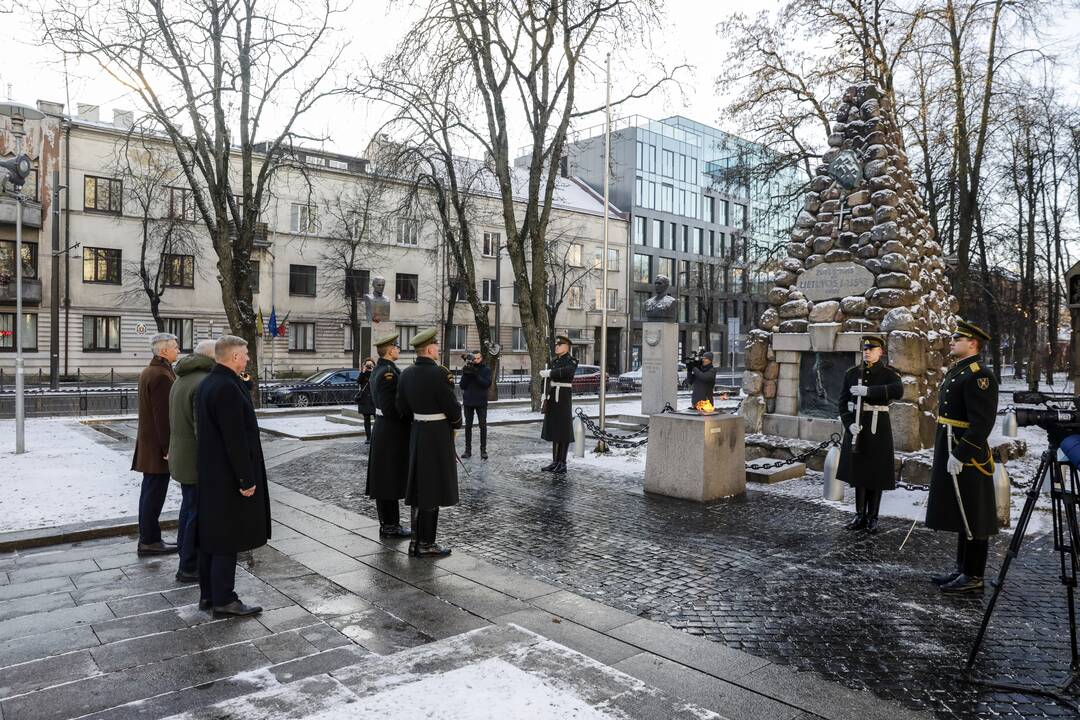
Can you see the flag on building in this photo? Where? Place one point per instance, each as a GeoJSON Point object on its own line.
{"type": "Point", "coordinates": [284, 326]}
{"type": "Point", "coordinates": [259, 328]}
{"type": "Point", "coordinates": [272, 327]}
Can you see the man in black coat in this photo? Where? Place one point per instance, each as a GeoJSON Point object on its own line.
{"type": "Point", "coordinates": [963, 462]}
{"type": "Point", "coordinates": [701, 376]}
{"type": "Point", "coordinates": [233, 512]}
{"type": "Point", "coordinates": [388, 460]}
{"type": "Point", "coordinates": [365, 405]}
{"type": "Point", "coordinates": [868, 467]}
{"type": "Point", "coordinates": [426, 392]}
{"type": "Point", "coordinates": [475, 381]}
{"type": "Point", "coordinates": [558, 406]}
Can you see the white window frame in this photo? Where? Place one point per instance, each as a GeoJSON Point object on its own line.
{"type": "Point", "coordinates": [303, 219]}
{"type": "Point", "coordinates": [458, 337]}
{"type": "Point", "coordinates": [489, 291]}
{"type": "Point", "coordinates": [575, 297]}
{"type": "Point", "coordinates": [517, 340]}
{"type": "Point", "coordinates": [308, 336]}
{"type": "Point", "coordinates": [405, 334]}
{"type": "Point", "coordinates": [408, 232]}
{"type": "Point", "coordinates": [491, 244]}
{"type": "Point", "coordinates": [573, 255]}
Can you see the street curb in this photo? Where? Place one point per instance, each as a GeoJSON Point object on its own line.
{"type": "Point", "coordinates": [77, 532]}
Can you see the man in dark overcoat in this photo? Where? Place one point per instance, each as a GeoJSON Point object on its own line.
{"type": "Point", "coordinates": [868, 467]}
{"type": "Point", "coordinates": [701, 376]}
{"type": "Point", "coordinates": [558, 408]}
{"type": "Point", "coordinates": [233, 512]}
{"type": "Point", "coordinates": [475, 381]}
{"type": "Point", "coordinates": [388, 459]}
{"type": "Point", "coordinates": [967, 409]}
{"type": "Point", "coordinates": [152, 442]}
{"type": "Point", "coordinates": [365, 404]}
{"type": "Point", "coordinates": [426, 392]}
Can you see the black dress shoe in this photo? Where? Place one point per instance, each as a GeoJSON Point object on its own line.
{"type": "Point", "coordinates": [394, 531]}
{"type": "Point", "coordinates": [187, 577]}
{"type": "Point", "coordinates": [483, 454]}
{"type": "Point", "coordinates": [412, 549]}
{"type": "Point", "coordinates": [434, 550]}
{"type": "Point", "coordinates": [559, 469]}
{"type": "Point", "coordinates": [158, 548]}
{"type": "Point", "coordinates": [204, 604]}
{"type": "Point", "coordinates": [859, 523]}
{"type": "Point", "coordinates": [236, 609]}
{"type": "Point", "coordinates": [466, 454]}
{"type": "Point", "coordinates": [940, 580]}
{"type": "Point", "coordinates": [872, 526]}
{"type": "Point", "coordinates": [963, 584]}
{"type": "Point", "coordinates": [549, 467]}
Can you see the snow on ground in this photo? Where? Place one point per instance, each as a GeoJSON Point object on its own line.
{"type": "Point", "coordinates": [69, 474]}
{"type": "Point", "coordinates": [308, 426]}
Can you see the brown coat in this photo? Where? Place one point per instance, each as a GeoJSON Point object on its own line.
{"type": "Point", "coordinates": [152, 441]}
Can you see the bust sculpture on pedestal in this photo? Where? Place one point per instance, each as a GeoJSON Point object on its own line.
{"type": "Point", "coordinates": [376, 304]}
{"type": "Point", "coordinates": [661, 307]}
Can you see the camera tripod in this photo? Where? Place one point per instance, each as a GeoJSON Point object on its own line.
{"type": "Point", "coordinates": [1064, 500]}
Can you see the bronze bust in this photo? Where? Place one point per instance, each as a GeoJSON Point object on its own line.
{"type": "Point", "coordinates": [661, 306]}
{"type": "Point", "coordinates": [376, 304]}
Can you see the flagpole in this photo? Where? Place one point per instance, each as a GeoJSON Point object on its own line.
{"type": "Point", "coordinates": [601, 446]}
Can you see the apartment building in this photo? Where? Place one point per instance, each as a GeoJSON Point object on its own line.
{"type": "Point", "coordinates": [110, 197]}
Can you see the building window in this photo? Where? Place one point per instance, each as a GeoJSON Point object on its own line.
{"type": "Point", "coordinates": [680, 167]}
{"type": "Point", "coordinates": [304, 219]}
{"type": "Point", "coordinates": [737, 280]}
{"type": "Point", "coordinates": [574, 297]}
{"type": "Point", "coordinates": [302, 280]}
{"type": "Point", "coordinates": [181, 204]}
{"type": "Point", "coordinates": [489, 291]}
{"type": "Point", "coordinates": [739, 220]}
{"type": "Point", "coordinates": [10, 334]}
{"type": "Point", "coordinates": [301, 337]}
{"type": "Point", "coordinates": [699, 241]}
{"type": "Point", "coordinates": [708, 208]}
{"type": "Point", "coordinates": [405, 335]}
{"type": "Point", "coordinates": [641, 271]}
{"type": "Point", "coordinates": [639, 230]}
{"type": "Point", "coordinates": [101, 333]}
{"type": "Point", "coordinates": [613, 299]}
{"type": "Point", "coordinates": [408, 232]}
{"type": "Point", "coordinates": [347, 337]}
{"type": "Point", "coordinates": [101, 265]}
{"type": "Point", "coordinates": [405, 287]}
{"type": "Point", "coordinates": [684, 274]}
{"type": "Point", "coordinates": [7, 259]}
{"type": "Point", "coordinates": [657, 234]}
{"type": "Point", "coordinates": [673, 236]}
{"type": "Point", "coordinates": [517, 294]}
{"type": "Point", "coordinates": [491, 244]}
{"type": "Point", "coordinates": [179, 271]}
{"type": "Point", "coordinates": [685, 238]}
{"type": "Point", "coordinates": [103, 194]}
{"type": "Point", "coordinates": [253, 276]}
{"type": "Point", "coordinates": [613, 260]}
{"type": "Point", "coordinates": [456, 337]}
{"type": "Point", "coordinates": [668, 168]}
{"type": "Point", "coordinates": [666, 267]}
{"type": "Point", "coordinates": [184, 330]}
{"type": "Point", "coordinates": [517, 339]}
{"type": "Point", "coordinates": [356, 282]}
{"type": "Point", "coordinates": [573, 255]}
{"type": "Point", "coordinates": [639, 305]}
{"type": "Point", "coordinates": [693, 208]}
{"type": "Point", "coordinates": [650, 158]}
{"type": "Point", "coordinates": [680, 195]}
{"type": "Point", "coordinates": [639, 195]}
{"type": "Point", "coordinates": [666, 192]}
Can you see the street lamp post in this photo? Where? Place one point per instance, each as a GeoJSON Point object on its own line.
{"type": "Point", "coordinates": [601, 446]}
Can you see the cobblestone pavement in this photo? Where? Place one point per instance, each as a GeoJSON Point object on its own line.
{"type": "Point", "coordinates": [769, 574]}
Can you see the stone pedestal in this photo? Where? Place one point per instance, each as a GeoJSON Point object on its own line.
{"type": "Point", "coordinates": [696, 457]}
{"type": "Point", "coordinates": [659, 366]}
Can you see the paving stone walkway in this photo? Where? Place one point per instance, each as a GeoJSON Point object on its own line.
{"type": "Point", "coordinates": [773, 576]}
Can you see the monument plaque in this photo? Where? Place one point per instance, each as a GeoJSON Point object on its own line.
{"type": "Point", "coordinates": [833, 281]}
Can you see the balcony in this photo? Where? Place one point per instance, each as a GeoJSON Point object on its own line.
{"type": "Point", "coordinates": [31, 212]}
{"type": "Point", "coordinates": [31, 292]}
{"type": "Point", "coordinates": [260, 238]}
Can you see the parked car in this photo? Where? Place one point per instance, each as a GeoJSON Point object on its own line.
{"type": "Point", "coordinates": [632, 380]}
{"type": "Point", "coordinates": [587, 378]}
{"type": "Point", "coordinates": [326, 387]}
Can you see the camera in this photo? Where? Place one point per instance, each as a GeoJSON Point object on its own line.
{"type": "Point", "coordinates": [1052, 418]}
{"type": "Point", "coordinates": [695, 357]}
{"type": "Point", "coordinates": [467, 357]}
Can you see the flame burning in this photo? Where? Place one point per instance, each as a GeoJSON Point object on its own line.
{"type": "Point", "coordinates": [704, 406]}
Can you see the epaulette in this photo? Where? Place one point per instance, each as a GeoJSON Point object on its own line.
{"type": "Point", "coordinates": [974, 367]}
{"type": "Point", "coordinates": [890, 367]}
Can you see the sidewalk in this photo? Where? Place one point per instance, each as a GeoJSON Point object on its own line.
{"type": "Point", "coordinates": [354, 628]}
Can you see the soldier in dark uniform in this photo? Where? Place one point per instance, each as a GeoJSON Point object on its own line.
{"type": "Point", "coordinates": [967, 408]}
{"type": "Point", "coordinates": [426, 392]}
{"type": "Point", "coordinates": [701, 376]}
{"type": "Point", "coordinates": [869, 468]}
{"type": "Point", "coordinates": [388, 459]}
{"type": "Point", "coordinates": [558, 408]}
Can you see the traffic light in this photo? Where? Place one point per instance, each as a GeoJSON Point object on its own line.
{"type": "Point", "coordinates": [18, 169]}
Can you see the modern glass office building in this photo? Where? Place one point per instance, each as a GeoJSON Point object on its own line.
{"type": "Point", "coordinates": [712, 236]}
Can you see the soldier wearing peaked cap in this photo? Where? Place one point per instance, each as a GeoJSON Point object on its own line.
{"type": "Point", "coordinates": [961, 497]}
{"type": "Point", "coordinates": [558, 408]}
{"type": "Point", "coordinates": [866, 454]}
{"type": "Point", "coordinates": [388, 458]}
{"type": "Point", "coordinates": [426, 392]}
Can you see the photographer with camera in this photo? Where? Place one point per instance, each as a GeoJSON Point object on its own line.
{"type": "Point", "coordinates": [700, 376]}
{"type": "Point", "coordinates": [474, 383]}
{"type": "Point", "coordinates": [365, 404]}
{"type": "Point", "coordinates": [961, 497]}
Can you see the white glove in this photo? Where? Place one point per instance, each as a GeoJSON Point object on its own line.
{"type": "Point", "coordinates": [955, 467]}
{"type": "Point", "coordinates": [853, 429]}
{"type": "Point", "coordinates": [859, 390]}
{"type": "Point", "coordinates": [545, 373]}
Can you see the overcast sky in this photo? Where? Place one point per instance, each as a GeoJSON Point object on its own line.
{"type": "Point", "coordinates": [690, 36]}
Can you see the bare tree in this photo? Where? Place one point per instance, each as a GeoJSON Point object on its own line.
{"type": "Point", "coordinates": [228, 83]}
{"type": "Point", "coordinates": [567, 271]}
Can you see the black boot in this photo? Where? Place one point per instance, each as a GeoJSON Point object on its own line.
{"type": "Point", "coordinates": [963, 584]}
{"type": "Point", "coordinates": [468, 443]}
{"type": "Point", "coordinates": [554, 458]}
{"type": "Point", "coordinates": [560, 466]}
{"type": "Point", "coordinates": [415, 525]}
{"type": "Point", "coordinates": [873, 505]}
{"type": "Point", "coordinates": [859, 523]}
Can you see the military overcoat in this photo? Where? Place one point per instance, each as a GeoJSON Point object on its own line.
{"type": "Point", "coordinates": [872, 467]}
{"type": "Point", "coordinates": [426, 391]}
{"type": "Point", "coordinates": [388, 456]}
{"type": "Point", "coordinates": [559, 402]}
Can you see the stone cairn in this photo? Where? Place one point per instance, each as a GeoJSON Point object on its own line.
{"type": "Point", "coordinates": [876, 219]}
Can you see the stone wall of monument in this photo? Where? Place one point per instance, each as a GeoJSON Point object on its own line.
{"type": "Point", "coordinates": [862, 258]}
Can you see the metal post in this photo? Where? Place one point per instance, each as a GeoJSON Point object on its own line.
{"type": "Point", "coordinates": [54, 287]}
{"type": "Point", "coordinates": [20, 409]}
{"type": "Point", "coordinates": [600, 445]}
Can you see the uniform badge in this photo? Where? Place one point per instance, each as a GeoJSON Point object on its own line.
{"type": "Point", "coordinates": [388, 376]}
{"type": "Point", "coordinates": [984, 383]}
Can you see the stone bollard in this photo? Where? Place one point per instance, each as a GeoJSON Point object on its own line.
{"type": "Point", "coordinates": [1002, 495]}
{"type": "Point", "coordinates": [833, 488]}
{"type": "Point", "coordinates": [579, 438]}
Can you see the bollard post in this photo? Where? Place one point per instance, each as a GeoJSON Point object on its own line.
{"type": "Point", "coordinates": [579, 438]}
{"type": "Point", "coordinates": [1002, 495]}
{"type": "Point", "coordinates": [833, 488]}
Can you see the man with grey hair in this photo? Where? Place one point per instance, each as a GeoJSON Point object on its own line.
{"type": "Point", "coordinates": [190, 371]}
{"type": "Point", "coordinates": [152, 442]}
{"type": "Point", "coordinates": [233, 503]}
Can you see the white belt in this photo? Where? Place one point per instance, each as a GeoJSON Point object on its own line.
{"type": "Point", "coordinates": [558, 386]}
{"type": "Point", "coordinates": [874, 409]}
{"type": "Point", "coordinates": [379, 412]}
{"type": "Point", "coordinates": [429, 417]}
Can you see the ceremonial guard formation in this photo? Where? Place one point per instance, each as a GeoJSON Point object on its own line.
{"type": "Point", "coordinates": [558, 404]}
{"type": "Point", "coordinates": [426, 394]}
{"type": "Point", "coordinates": [701, 377]}
{"type": "Point", "coordinates": [866, 454]}
{"type": "Point", "coordinates": [388, 460]}
{"type": "Point", "coordinates": [961, 498]}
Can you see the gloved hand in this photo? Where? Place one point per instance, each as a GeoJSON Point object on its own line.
{"type": "Point", "coordinates": [545, 373]}
{"type": "Point", "coordinates": [853, 429]}
{"type": "Point", "coordinates": [955, 467]}
{"type": "Point", "coordinates": [858, 390]}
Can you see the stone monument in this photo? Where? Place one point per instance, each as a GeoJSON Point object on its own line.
{"type": "Point", "coordinates": [377, 311]}
{"type": "Point", "coordinates": [696, 457]}
{"type": "Point", "coordinates": [659, 350]}
{"type": "Point", "coordinates": [862, 258]}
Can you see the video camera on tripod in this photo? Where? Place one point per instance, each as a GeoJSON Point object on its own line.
{"type": "Point", "coordinates": [695, 357]}
{"type": "Point", "coordinates": [1060, 419]}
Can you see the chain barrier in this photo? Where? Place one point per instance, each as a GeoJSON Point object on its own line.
{"type": "Point", "coordinates": [619, 441]}
{"type": "Point", "coordinates": [802, 457]}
